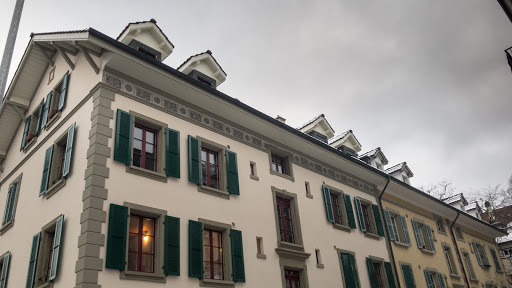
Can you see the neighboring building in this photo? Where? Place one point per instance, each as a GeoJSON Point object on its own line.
{"type": "Point", "coordinates": [503, 219]}
{"type": "Point", "coordinates": [146, 175]}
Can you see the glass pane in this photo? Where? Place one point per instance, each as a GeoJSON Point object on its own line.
{"type": "Point", "coordinates": [150, 164]}
{"type": "Point", "coordinates": [213, 158]}
{"type": "Point", "coordinates": [134, 224]}
{"type": "Point", "coordinates": [148, 244]}
{"type": "Point", "coordinates": [207, 270]}
{"type": "Point", "coordinates": [132, 261]}
{"type": "Point", "coordinates": [150, 137]}
{"type": "Point", "coordinates": [146, 264]}
{"type": "Point", "coordinates": [137, 146]}
{"type": "Point", "coordinates": [206, 237]}
{"type": "Point", "coordinates": [137, 133]}
{"type": "Point", "coordinates": [216, 239]}
{"type": "Point", "coordinates": [217, 255]}
{"type": "Point", "coordinates": [133, 243]}
{"type": "Point", "coordinates": [274, 166]}
{"type": "Point", "coordinates": [217, 271]}
{"type": "Point", "coordinates": [149, 149]}
{"type": "Point", "coordinates": [136, 160]}
{"type": "Point", "coordinates": [280, 169]}
{"type": "Point", "coordinates": [295, 284]}
{"type": "Point", "coordinates": [203, 155]}
{"type": "Point", "coordinates": [203, 174]}
{"type": "Point", "coordinates": [288, 284]}
{"type": "Point", "coordinates": [148, 225]}
{"type": "Point", "coordinates": [206, 253]}
{"type": "Point", "coordinates": [214, 183]}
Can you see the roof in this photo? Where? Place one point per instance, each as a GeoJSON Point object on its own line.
{"type": "Point", "coordinates": [199, 54]}
{"type": "Point", "coordinates": [502, 215]}
{"type": "Point", "coordinates": [142, 22]}
{"type": "Point", "coordinates": [343, 135]}
{"type": "Point", "coordinates": [400, 167]}
{"type": "Point", "coordinates": [455, 198]}
{"type": "Point", "coordinates": [60, 32]}
{"type": "Point", "coordinates": [374, 153]}
{"type": "Point", "coordinates": [472, 205]}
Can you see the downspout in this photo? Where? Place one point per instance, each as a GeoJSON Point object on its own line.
{"type": "Point", "coordinates": [388, 241]}
{"type": "Point", "coordinates": [457, 248]}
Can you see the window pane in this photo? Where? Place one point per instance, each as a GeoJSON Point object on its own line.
{"type": "Point", "coordinates": [217, 255]}
{"type": "Point", "coordinates": [217, 271]}
{"type": "Point", "coordinates": [207, 270]}
{"type": "Point", "coordinates": [133, 243]}
{"type": "Point", "coordinates": [203, 155]}
{"type": "Point", "coordinates": [148, 225]}
{"type": "Point", "coordinates": [150, 164]}
{"type": "Point", "coordinates": [136, 160]}
{"type": "Point", "coordinates": [137, 146]}
{"type": "Point", "coordinates": [149, 149]}
{"type": "Point", "coordinates": [204, 175]}
{"type": "Point", "coordinates": [213, 158]}
{"type": "Point", "coordinates": [146, 264]}
{"type": "Point", "coordinates": [206, 253]}
{"type": "Point", "coordinates": [280, 169]}
{"type": "Point", "coordinates": [134, 224]}
{"type": "Point", "coordinates": [148, 244]}
{"type": "Point", "coordinates": [132, 261]}
{"type": "Point", "coordinates": [216, 239]}
{"type": "Point", "coordinates": [274, 166]}
{"type": "Point", "coordinates": [137, 133]}
{"type": "Point", "coordinates": [206, 237]}
{"type": "Point", "coordinates": [150, 137]}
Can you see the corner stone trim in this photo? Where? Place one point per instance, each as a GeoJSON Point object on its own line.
{"type": "Point", "coordinates": [89, 262]}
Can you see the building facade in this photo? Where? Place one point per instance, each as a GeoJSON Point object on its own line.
{"type": "Point", "coordinates": [131, 173]}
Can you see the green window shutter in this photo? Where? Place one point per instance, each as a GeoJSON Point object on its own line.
{"type": "Point", "coordinates": [418, 234]}
{"type": "Point", "coordinates": [441, 280]}
{"type": "Point", "coordinates": [172, 246]}
{"type": "Point", "coordinates": [477, 253]}
{"type": "Point", "coordinates": [495, 259]}
{"type": "Point", "coordinates": [123, 142]}
{"type": "Point", "coordinates": [56, 248]}
{"type": "Point", "coordinates": [328, 204]}
{"type": "Point", "coordinates": [348, 263]}
{"type": "Point", "coordinates": [9, 205]}
{"type": "Point", "coordinates": [371, 272]}
{"type": "Point", "coordinates": [406, 230]}
{"type": "Point", "coordinates": [485, 260]}
{"type": "Point", "coordinates": [5, 270]}
{"type": "Point", "coordinates": [378, 220]}
{"type": "Point", "coordinates": [195, 249]}
{"type": "Point", "coordinates": [430, 238]}
{"type": "Point", "coordinates": [408, 276]}
{"type": "Point", "coordinates": [64, 91]}
{"type": "Point", "coordinates": [430, 284]}
{"type": "Point", "coordinates": [46, 170]}
{"type": "Point", "coordinates": [69, 151]}
{"type": "Point", "coordinates": [232, 173]}
{"type": "Point", "coordinates": [40, 117]}
{"type": "Point", "coordinates": [25, 132]}
{"type": "Point", "coordinates": [194, 160]}
{"type": "Point", "coordinates": [359, 210]}
{"type": "Point", "coordinates": [350, 211]}
{"type": "Point", "coordinates": [389, 225]}
{"type": "Point", "coordinates": [116, 238]}
{"type": "Point", "coordinates": [33, 260]}
{"type": "Point", "coordinates": [389, 274]}
{"type": "Point", "coordinates": [46, 109]}
{"type": "Point", "coordinates": [172, 153]}
{"type": "Point", "coordinates": [237, 256]}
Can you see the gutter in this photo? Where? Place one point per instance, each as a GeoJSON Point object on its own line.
{"type": "Point", "coordinates": [388, 241]}
{"type": "Point", "coordinates": [457, 248]}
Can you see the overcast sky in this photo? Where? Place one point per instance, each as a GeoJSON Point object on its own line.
{"type": "Point", "coordinates": [427, 81]}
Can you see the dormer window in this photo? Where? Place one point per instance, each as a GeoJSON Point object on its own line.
{"type": "Point", "coordinates": [202, 78]}
{"type": "Point", "coordinates": [406, 179]}
{"type": "Point", "coordinates": [147, 52]}
{"type": "Point", "coordinates": [348, 151]}
{"type": "Point", "coordinates": [380, 166]}
{"type": "Point", "coordinates": [145, 49]}
{"type": "Point", "coordinates": [318, 136]}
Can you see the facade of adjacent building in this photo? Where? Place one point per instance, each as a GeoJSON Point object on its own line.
{"type": "Point", "coordinates": [120, 171]}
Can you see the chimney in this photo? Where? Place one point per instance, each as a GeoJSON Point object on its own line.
{"type": "Point", "coordinates": [281, 119]}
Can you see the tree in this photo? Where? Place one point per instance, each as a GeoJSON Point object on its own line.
{"type": "Point", "coordinates": [507, 193]}
{"type": "Point", "coordinates": [441, 190]}
{"type": "Point", "coordinates": [493, 195]}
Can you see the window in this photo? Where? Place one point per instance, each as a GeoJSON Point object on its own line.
{"type": "Point", "coordinates": [146, 146]}
{"type": "Point", "coordinates": [308, 190]}
{"type": "Point", "coordinates": [212, 167]}
{"type": "Point", "coordinates": [32, 127]}
{"type": "Point", "coordinates": [318, 136]}
{"type": "Point", "coordinates": [57, 163]}
{"type": "Point", "coordinates": [280, 163]}
{"type": "Point", "coordinates": [319, 263]}
{"type": "Point", "coordinates": [338, 208]}
{"type": "Point", "coordinates": [292, 278]}
{"type": "Point", "coordinates": [348, 268]}
{"type": "Point", "coordinates": [5, 260]}
{"type": "Point", "coordinates": [469, 266]}
{"type": "Point", "coordinates": [369, 217]}
{"type": "Point", "coordinates": [44, 255]}
{"type": "Point", "coordinates": [481, 255]}
{"type": "Point", "coordinates": [146, 50]}
{"type": "Point", "coordinates": [10, 205]}
{"type": "Point", "coordinates": [254, 171]}
{"type": "Point", "coordinates": [424, 237]}
{"type": "Point", "coordinates": [459, 234]}
{"type": "Point", "coordinates": [215, 253]}
{"type": "Point", "coordinates": [287, 220]}
{"type": "Point", "coordinates": [397, 227]}
{"type": "Point", "coordinates": [450, 261]}
{"type": "Point", "coordinates": [260, 249]}
{"type": "Point", "coordinates": [284, 213]}
{"type": "Point", "coordinates": [495, 259]}
{"type": "Point", "coordinates": [55, 102]}
{"type": "Point", "coordinates": [440, 226]}
{"type": "Point", "coordinates": [380, 272]}
{"type": "Point", "coordinates": [153, 239]}
{"type": "Point", "coordinates": [408, 276]}
{"type": "Point", "coordinates": [141, 244]}
{"type": "Point", "coordinates": [380, 166]}
{"type": "Point", "coordinates": [434, 279]}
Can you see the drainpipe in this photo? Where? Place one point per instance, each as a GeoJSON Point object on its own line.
{"type": "Point", "coordinates": [388, 241]}
{"type": "Point", "coordinates": [457, 248]}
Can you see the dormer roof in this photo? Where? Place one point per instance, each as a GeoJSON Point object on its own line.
{"type": "Point", "coordinates": [377, 152]}
{"type": "Point", "coordinates": [318, 124]}
{"type": "Point", "coordinates": [456, 198]}
{"type": "Point", "coordinates": [402, 167]}
{"type": "Point", "coordinates": [346, 138]}
{"type": "Point", "coordinates": [204, 63]}
{"type": "Point", "coordinates": [147, 33]}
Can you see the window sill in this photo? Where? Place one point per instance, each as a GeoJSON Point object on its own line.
{"type": "Point", "coordinates": [48, 284]}
{"type": "Point", "coordinates": [371, 235]}
{"type": "Point", "coordinates": [51, 121]}
{"type": "Point", "coordinates": [289, 253]}
{"type": "Point", "coordinates": [213, 191]}
{"type": "Point", "coordinates": [455, 276]}
{"type": "Point", "coordinates": [146, 173]}
{"type": "Point", "coordinates": [288, 177]}
{"type": "Point", "coordinates": [291, 246]}
{"type": "Point", "coordinates": [442, 233]}
{"type": "Point", "coordinates": [142, 276]}
{"type": "Point", "coordinates": [6, 227]}
{"type": "Point", "coordinates": [30, 144]}
{"type": "Point", "coordinates": [255, 177]}
{"type": "Point", "coordinates": [318, 265]}
{"type": "Point", "coordinates": [261, 256]}
{"type": "Point", "coordinates": [54, 188]}
{"type": "Point", "coordinates": [402, 244]}
{"type": "Point", "coordinates": [473, 280]}
{"type": "Point", "coordinates": [462, 240]}
{"type": "Point", "coordinates": [428, 251]}
{"type": "Point", "coordinates": [341, 227]}
{"type": "Point", "coordinates": [309, 195]}
{"type": "Point", "coordinates": [216, 283]}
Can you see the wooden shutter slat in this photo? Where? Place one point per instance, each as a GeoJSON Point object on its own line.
{"type": "Point", "coordinates": [371, 272]}
{"type": "Point", "coordinates": [477, 254]}
{"type": "Point", "coordinates": [430, 238]}
{"type": "Point", "coordinates": [237, 256]}
{"type": "Point", "coordinates": [195, 249]}
{"type": "Point", "coordinates": [484, 257]}
{"type": "Point", "coordinates": [9, 204]}
{"type": "Point", "coordinates": [25, 132]}
{"type": "Point", "coordinates": [390, 275]}
{"type": "Point", "coordinates": [495, 259]}
{"type": "Point", "coordinates": [378, 220]}
{"type": "Point", "coordinates": [328, 203]}
{"type": "Point", "coordinates": [441, 280]}
{"type": "Point", "coordinates": [123, 141]}
{"type": "Point", "coordinates": [46, 170]}
{"type": "Point", "coordinates": [5, 270]}
{"type": "Point", "coordinates": [172, 153]}
{"type": "Point", "coordinates": [406, 230]}
{"type": "Point", "coordinates": [40, 117]}
{"type": "Point", "coordinates": [350, 211]}
{"type": "Point", "coordinates": [172, 246]}
{"type": "Point", "coordinates": [194, 160]}
{"type": "Point", "coordinates": [408, 276]}
{"type": "Point", "coordinates": [33, 260]}
{"type": "Point", "coordinates": [348, 263]}
{"type": "Point", "coordinates": [430, 284]}
{"type": "Point", "coordinates": [359, 210]}
{"type": "Point", "coordinates": [232, 173]}
{"type": "Point", "coordinates": [46, 109]}
{"type": "Point", "coordinates": [418, 234]}
{"type": "Point", "coordinates": [56, 247]}
{"type": "Point", "coordinates": [69, 151]}
{"type": "Point", "coordinates": [389, 225]}
{"type": "Point", "coordinates": [116, 239]}
{"type": "Point", "coordinates": [64, 91]}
